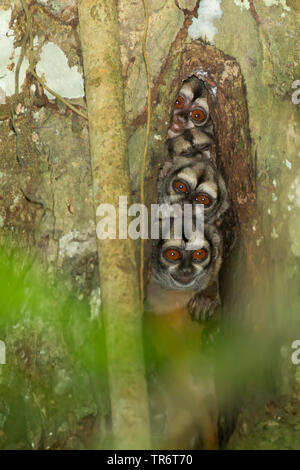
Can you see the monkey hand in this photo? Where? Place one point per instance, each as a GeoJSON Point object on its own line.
{"type": "Point", "coordinates": [165, 170]}
{"type": "Point", "coordinates": [202, 308]}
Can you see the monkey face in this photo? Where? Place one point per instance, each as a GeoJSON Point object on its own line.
{"type": "Point", "coordinates": [188, 264]}
{"type": "Point", "coordinates": [184, 266]}
{"type": "Point", "coordinates": [196, 182]}
{"type": "Point", "coordinates": [191, 108]}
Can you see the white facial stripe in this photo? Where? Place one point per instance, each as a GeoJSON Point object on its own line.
{"type": "Point", "coordinates": [173, 244]}
{"type": "Point", "coordinates": [210, 188]}
{"type": "Point", "coordinates": [172, 269]}
{"type": "Point", "coordinates": [188, 175]}
{"type": "Point", "coordinates": [202, 102]}
{"type": "Point", "coordinates": [186, 92]}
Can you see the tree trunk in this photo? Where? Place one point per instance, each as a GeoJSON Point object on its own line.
{"type": "Point", "coordinates": [247, 52]}
{"type": "Point", "coordinates": [99, 33]}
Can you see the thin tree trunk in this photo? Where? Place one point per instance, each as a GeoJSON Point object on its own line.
{"type": "Point", "coordinates": [99, 31]}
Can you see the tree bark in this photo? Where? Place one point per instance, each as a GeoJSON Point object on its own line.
{"type": "Point", "coordinates": [99, 32]}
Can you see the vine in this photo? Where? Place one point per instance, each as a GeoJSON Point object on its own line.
{"type": "Point", "coordinates": [148, 127]}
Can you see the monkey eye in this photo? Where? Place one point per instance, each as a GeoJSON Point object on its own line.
{"type": "Point", "coordinates": [199, 255]}
{"type": "Point", "coordinates": [203, 199]}
{"type": "Point", "coordinates": [198, 115]}
{"type": "Point", "coordinates": [172, 254]}
{"type": "Point", "coordinates": [180, 187]}
{"type": "Point", "coordinates": [179, 103]}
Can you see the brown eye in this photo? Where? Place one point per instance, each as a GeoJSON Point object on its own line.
{"type": "Point", "coordinates": [198, 115]}
{"type": "Point", "coordinates": [172, 254]}
{"type": "Point", "coordinates": [179, 103]}
{"type": "Point", "coordinates": [180, 186]}
{"type": "Point", "coordinates": [203, 199]}
{"type": "Point", "coordinates": [199, 255]}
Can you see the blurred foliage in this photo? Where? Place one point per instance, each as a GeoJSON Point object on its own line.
{"type": "Point", "coordinates": [54, 387]}
{"type": "Point", "coordinates": [183, 363]}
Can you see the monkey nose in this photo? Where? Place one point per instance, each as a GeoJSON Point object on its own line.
{"type": "Point", "coordinates": [177, 126]}
{"type": "Point", "coordinates": [187, 271]}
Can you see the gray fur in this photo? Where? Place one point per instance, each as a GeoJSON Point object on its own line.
{"type": "Point", "coordinates": [190, 136]}
{"type": "Point", "coordinates": [166, 273]}
{"type": "Point", "coordinates": [191, 169]}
